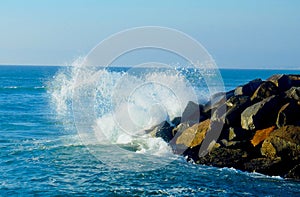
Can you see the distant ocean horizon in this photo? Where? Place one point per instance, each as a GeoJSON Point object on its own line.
{"type": "Point", "coordinates": [42, 154]}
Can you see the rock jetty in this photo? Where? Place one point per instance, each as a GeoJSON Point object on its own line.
{"type": "Point", "coordinates": [258, 125]}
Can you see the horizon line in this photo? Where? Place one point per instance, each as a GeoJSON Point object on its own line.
{"type": "Point", "coordinates": [126, 66]}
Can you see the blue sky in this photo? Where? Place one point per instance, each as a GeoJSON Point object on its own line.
{"type": "Point", "coordinates": [237, 33]}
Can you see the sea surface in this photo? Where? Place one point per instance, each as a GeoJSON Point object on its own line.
{"type": "Point", "coordinates": [44, 122]}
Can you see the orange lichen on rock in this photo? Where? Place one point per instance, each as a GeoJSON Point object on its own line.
{"type": "Point", "coordinates": [261, 135]}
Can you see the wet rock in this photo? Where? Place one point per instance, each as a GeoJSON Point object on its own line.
{"type": "Point", "coordinates": [176, 121]}
{"type": "Point", "coordinates": [265, 90]}
{"type": "Point", "coordinates": [261, 135]}
{"type": "Point", "coordinates": [262, 114]}
{"type": "Point", "coordinates": [283, 142]}
{"type": "Point", "coordinates": [224, 157]}
{"type": "Point", "coordinates": [267, 166]}
{"type": "Point", "coordinates": [249, 88]}
{"type": "Point", "coordinates": [294, 173]}
{"type": "Point", "coordinates": [163, 130]}
{"type": "Point", "coordinates": [288, 114]}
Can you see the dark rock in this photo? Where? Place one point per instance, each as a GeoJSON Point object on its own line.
{"type": "Point", "coordinates": [253, 128]}
{"type": "Point", "coordinates": [249, 88]}
{"type": "Point", "coordinates": [285, 82]}
{"type": "Point", "coordinates": [288, 114]}
{"type": "Point", "coordinates": [265, 90]}
{"type": "Point", "coordinates": [234, 105]}
{"type": "Point", "coordinates": [281, 81]}
{"type": "Point", "coordinates": [193, 113]}
{"type": "Point", "coordinates": [295, 80]}
{"type": "Point", "coordinates": [293, 93]}
{"type": "Point", "coordinates": [234, 134]}
{"type": "Point", "coordinates": [215, 102]}
{"type": "Point", "coordinates": [163, 130]}
{"type": "Point", "coordinates": [237, 133]}
{"type": "Point", "coordinates": [224, 157]}
{"type": "Point", "coordinates": [176, 121]}
{"type": "Point", "coordinates": [266, 166]}
{"type": "Point", "coordinates": [294, 173]}
{"type": "Point", "coordinates": [262, 114]}
{"type": "Point", "coordinates": [283, 142]}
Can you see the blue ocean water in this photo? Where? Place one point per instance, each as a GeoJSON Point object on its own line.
{"type": "Point", "coordinates": [41, 153]}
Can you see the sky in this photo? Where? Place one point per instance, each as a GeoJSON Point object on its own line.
{"type": "Point", "coordinates": [237, 33]}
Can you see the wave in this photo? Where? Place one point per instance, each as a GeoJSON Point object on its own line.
{"type": "Point", "coordinates": [115, 106]}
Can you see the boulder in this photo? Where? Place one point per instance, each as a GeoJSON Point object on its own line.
{"type": "Point", "coordinates": [236, 105]}
{"type": "Point", "coordinates": [193, 113]}
{"type": "Point", "coordinates": [265, 90]}
{"type": "Point", "coordinates": [193, 136]}
{"type": "Point", "coordinates": [285, 82]}
{"type": "Point", "coordinates": [176, 121]}
{"type": "Point", "coordinates": [288, 114]}
{"type": "Point", "coordinates": [249, 88]}
{"type": "Point", "coordinates": [261, 135]}
{"type": "Point", "coordinates": [295, 80]}
{"type": "Point", "coordinates": [293, 93]}
{"type": "Point", "coordinates": [267, 166]}
{"type": "Point", "coordinates": [224, 157]}
{"type": "Point", "coordinates": [283, 142]}
{"type": "Point", "coordinates": [281, 81]}
{"type": "Point", "coordinates": [215, 101]}
{"type": "Point", "coordinates": [163, 130]}
{"type": "Point", "coordinates": [232, 116]}
{"type": "Point", "coordinates": [262, 114]}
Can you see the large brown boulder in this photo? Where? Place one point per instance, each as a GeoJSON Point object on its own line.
{"type": "Point", "coordinates": [193, 136]}
{"type": "Point", "coordinates": [283, 142]}
{"type": "Point", "coordinates": [249, 88]}
{"type": "Point", "coordinates": [262, 114]}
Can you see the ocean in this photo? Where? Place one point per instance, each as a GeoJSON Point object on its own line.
{"type": "Point", "coordinates": [50, 137]}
